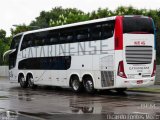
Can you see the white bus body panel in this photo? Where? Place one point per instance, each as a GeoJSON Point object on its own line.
{"type": "Point", "coordinates": [135, 72]}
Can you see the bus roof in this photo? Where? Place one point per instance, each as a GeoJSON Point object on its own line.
{"type": "Point", "coordinates": [75, 24]}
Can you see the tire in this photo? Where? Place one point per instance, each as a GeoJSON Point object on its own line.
{"type": "Point", "coordinates": [88, 85]}
{"type": "Point", "coordinates": [121, 90]}
{"type": "Point", "coordinates": [87, 109]}
{"type": "Point", "coordinates": [76, 85]}
{"type": "Point", "coordinates": [31, 82]}
{"type": "Point", "coordinates": [22, 81]}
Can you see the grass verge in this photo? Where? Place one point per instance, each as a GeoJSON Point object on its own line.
{"type": "Point", "coordinates": [145, 89]}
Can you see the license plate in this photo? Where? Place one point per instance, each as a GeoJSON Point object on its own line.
{"type": "Point", "coordinates": [139, 81]}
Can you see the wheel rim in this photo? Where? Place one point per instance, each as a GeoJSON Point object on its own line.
{"type": "Point", "coordinates": [89, 85]}
{"type": "Point", "coordinates": [75, 84]}
{"type": "Point", "coordinates": [22, 81]}
{"type": "Point", "coordinates": [30, 82]}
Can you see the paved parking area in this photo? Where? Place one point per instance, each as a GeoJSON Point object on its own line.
{"type": "Point", "coordinates": [50, 103]}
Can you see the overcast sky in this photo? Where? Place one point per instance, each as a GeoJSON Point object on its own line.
{"type": "Point", "coordinates": [24, 11]}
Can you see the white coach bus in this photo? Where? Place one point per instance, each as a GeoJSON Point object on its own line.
{"type": "Point", "coordinates": [110, 53]}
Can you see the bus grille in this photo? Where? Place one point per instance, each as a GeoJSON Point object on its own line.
{"type": "Point", "coordinates": [107, 78]}
{"type": "Point", "coordinates": [139, 54]}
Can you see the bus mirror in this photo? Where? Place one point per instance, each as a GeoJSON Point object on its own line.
{"type": "Point", "coordinates": [7, 53]}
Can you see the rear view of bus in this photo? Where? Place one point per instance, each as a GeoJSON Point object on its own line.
{"type": "Point", "coordinates": [135, 54]}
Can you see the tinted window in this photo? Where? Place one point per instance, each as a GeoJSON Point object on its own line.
{"type": "Point", "coordinates": [35, 39]}
{"type": "Point", "coordinates": [46, 63]}
{"type": "Point", "coordinates": [107, 29]}
{"type": "Point", "coordinates": [66, 36]}
{"type": "Point", "coordinates": [102, 30]}
{"type": "Point", "coordinates": [13, 56]}
{"type": "Point", "coordinates": [82, 34]}
{"type": "Point", "coordinates": [12, 59]}
{"type": "Point", "coordinates": [89, 32]}
{"type": "Point", "coordinates": [96, 31]}
{"type": "Point", "coordinates": [137, 24]}
{"type": "Point", "coordinates": [52, 37]}
{"type": "Point", "coordinates": [28, 41]}
{"type": "Point", "coordinates": [15, 42]}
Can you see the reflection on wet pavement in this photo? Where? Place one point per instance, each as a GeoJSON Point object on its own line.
{"type": "Point", "coordinates": [44, 103]}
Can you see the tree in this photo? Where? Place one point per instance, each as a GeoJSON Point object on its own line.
{"type": "Point", "coordinates": [59, 16]}
{"type": "Point", "coordinates": [2, 34]}
{"type": "Point", "coordinates": [4, 44]}
{"type": "Point", "coordinates": [19, 29]}
{"type": "Point", "coordinates": [101, 13]}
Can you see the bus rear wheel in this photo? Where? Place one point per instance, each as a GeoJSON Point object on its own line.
{"type": "Point", "coordinates": [76, 84]}
{"type": "Point", "coordinates": [31, 82]}
{"type": "Point", "coordinates": [88, 85]}
{"type": "Point", "coordinates": [22, 81]}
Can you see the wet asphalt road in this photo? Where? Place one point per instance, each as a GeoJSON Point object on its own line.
{"type": "Point", "coordinates": [62, 104]}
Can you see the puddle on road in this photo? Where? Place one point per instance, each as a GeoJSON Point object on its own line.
{"type": "Point", "coordinates": [64, 101]}
{"type": "Point", "coordinates": [13, 115]}
{"type": "Point", "coordinates": [3, 97]}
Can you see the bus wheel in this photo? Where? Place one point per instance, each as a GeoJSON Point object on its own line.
{"type": "Point", "coordinates": [121, 90]}
{"type": "Point", "coordinates": [89, 86]}
{"type": "Point", "coordinates": [31, 82]}
{"type": "Point", "coordinates": [76, 84]}
{"type": "Point", "coordinates": [22, 81]}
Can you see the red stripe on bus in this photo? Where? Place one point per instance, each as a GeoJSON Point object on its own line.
{"type": "Point", "coordinates": [118, 33]}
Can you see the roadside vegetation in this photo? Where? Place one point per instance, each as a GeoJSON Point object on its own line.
{"type": "Point", "coordinates": [59, 16]}
{"type": "Point", "coordinates": [145, 89]}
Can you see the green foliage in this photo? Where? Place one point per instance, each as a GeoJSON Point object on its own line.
{"type": "Point", "coordinates": [19, 29]}
{"type": "Point", "coordinates": [100, 13]}
{"type": "Point", "coordinates": [4, 45]}
{"type": "Point", "coordinates": [60, 16]}
{"type": "Point", "coordinates": [2, 34]}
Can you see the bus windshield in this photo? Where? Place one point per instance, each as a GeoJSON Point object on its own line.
{"type": "Point", "coordinates": [137, 25]}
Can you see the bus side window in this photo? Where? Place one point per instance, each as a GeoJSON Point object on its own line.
{"type": "Point", "coordinates": [23, 46]}
{"type": "Point", "coordinates": [43, 63]}
{"type": "Point", "coordinates": [24, 42]}
{"type": "Point", "coordinates": [70, 37]}
{"type": "Point", "coordinates": [67, 62]}
{"type": "Point", "coordinates": [29, 43]}
{"type": "Point", "coordinates": [66, 36]}
{"type": "Point", "coordinates": [53, 37]}
{"type": "Point", "coordinates": [96, 32]}
{"type": "Point", "coordinates": [83, 34]}
{"type": "Point", "coordinates": [53, 41]}
{"type": "Point", "coordinates": [107, 30]}
{"type": "Point", "coordinates": [15, 42]}
{"type": "Point", "coordinates": [36, 42]}
{"type": "Point", "coordinates": [62, 38]}
{"type": "Point", "coordinates": [43, 42]}
{"type": "Point", "coordinates": [52, 64]}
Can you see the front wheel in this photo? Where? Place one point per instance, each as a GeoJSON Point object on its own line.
{"type": "Point", "coordinates": [89, 86]}
{"type": "Point", "coordinates": [22, 82]}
